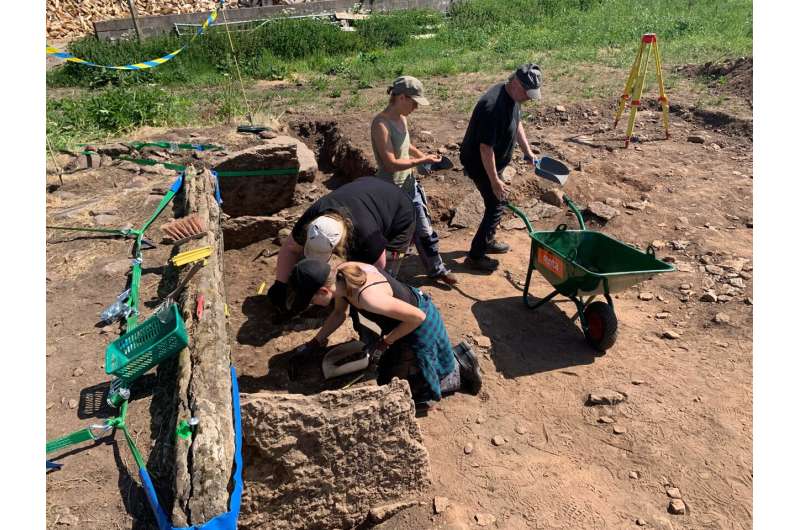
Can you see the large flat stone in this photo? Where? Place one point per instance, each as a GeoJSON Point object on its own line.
{"type": "Point", "coordinates": [323, 461]}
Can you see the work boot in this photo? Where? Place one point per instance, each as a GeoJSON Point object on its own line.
{"type": "Point", "coordinates": [496, 247]}
{"type": "Point", "coordinates": [447, 277]}
{"type": "Point", "coordinates": [469, 369]}
{"type": "Point", "coordinates": [484, 263]}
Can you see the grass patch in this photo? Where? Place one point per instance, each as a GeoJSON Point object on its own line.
{"type": "Point", "coordinates": [485, 36]}
{"type": "Point", "coordinates": [477, 35]}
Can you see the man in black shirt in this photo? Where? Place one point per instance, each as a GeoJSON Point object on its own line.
{"type": "Point", "coordinates": [359, 221]}
{"type": "Point", "coordinates": [493, 130]}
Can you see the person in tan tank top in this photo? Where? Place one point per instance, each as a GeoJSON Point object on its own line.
{"type": "Point", "coordinates": [397, 157]}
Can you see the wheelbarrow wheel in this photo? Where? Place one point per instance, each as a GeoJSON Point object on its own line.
{"type": "Point", "coordinates": [601, 326]}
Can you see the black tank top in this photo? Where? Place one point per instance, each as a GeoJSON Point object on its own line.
{"type": "Point", "coordinates": [399, 290]}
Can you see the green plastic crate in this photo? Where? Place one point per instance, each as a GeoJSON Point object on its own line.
{"type": "Point", "coordinates": [153, 341]}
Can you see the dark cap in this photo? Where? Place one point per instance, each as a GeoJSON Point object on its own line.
{"type": "Point", "coordinates": [530, 75]}
{"type": "Point", "coordinates": [305, 280]}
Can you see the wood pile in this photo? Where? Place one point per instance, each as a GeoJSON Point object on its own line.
{"type": "Point", "coordinates": [70, 19]}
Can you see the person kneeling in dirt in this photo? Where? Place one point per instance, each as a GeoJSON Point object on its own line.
{"type": "Point", "coordinates": [493, 129]}
{"type": "Point", "coordinates": [414, 344]}
{"type": "Point", "coordinates": [359, 221]}
{"type": "Point", "coordinates": [391, 145]}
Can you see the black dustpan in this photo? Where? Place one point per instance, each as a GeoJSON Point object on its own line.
{"type": "Point", "coordinates": [552, 170]}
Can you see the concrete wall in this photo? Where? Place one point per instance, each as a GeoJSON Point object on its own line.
{"type": "Point", "coordinates": [154, 25]}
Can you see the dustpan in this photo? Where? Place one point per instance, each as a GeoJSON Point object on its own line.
{"type": "Point", "coordinates": [552, 170]}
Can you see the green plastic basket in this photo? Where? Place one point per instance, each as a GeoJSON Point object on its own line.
{"type": "Point", "coordinates": [153, 341]}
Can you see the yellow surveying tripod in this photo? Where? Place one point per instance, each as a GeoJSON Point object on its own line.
{"type": "Point", "coordinates": [635, 84]}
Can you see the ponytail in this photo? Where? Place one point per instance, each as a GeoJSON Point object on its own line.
{"type": "Point", "coordinates": [352, 276]}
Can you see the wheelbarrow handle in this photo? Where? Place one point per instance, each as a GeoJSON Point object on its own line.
{"type": "Point", "coordinates": [572, 206]}
{"type": "Point", "coordinates": [519, 213]}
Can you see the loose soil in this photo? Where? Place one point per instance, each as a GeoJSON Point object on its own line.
{"type": "Point", "coordinates": [687, 419]}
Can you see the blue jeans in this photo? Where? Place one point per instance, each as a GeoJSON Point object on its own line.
{"type": "Point", "coordinates": [425, 237]}
{"type": "Point", "coordinates": [492, 214]}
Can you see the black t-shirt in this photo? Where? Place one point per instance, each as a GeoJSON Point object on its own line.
{"type": "Point", "coordinates": [381, 213]}
{"type": "Point", "coordinates": [494, 122]}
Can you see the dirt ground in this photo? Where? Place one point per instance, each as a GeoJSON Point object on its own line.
{"type": "Point", "coordinates": [686, 422]}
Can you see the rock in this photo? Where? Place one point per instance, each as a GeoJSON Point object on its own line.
{"type": "Point", "coordinates": [641, 522]}
{"type": "Point", "coordinates": [508, 174]}
{"type": "Point", "coordinates": [679, 244]}
{"type": "Point", "coordinates": [722, 318]}
{"type": "Point", "coordinates": [469, 211]}
{"type": "Point", "coordinates": [514, 224]}
{"type": "Point", "coordinates": [81, 162]}
{"type": "Point", "coordinates": [117, 267]}
{"type": "Point", "coordinates": [77, 372]}
{"type": "Point", "coordinates": [748, 301]}
{"type": "Point", "coordinates": [440, 504]}
{"type": "Point", "coordinates": [637, 382]}
{"type": "Point", "coordinates": [645, 296]}
{"type": "Point", "coordinates": [107, 220]}
{"type": "Point", "coordinates": [685, 286]}
{"type": "Point", "coordinates": [72, 403]}
{"type": "Point", "coordinates": [664, 315]}
{"type": "Point", "coordinates": [708, 282]}
{"type": "Point", "coordinates": [709, 296]}
{"type": "Point", "coordinates": [605, 419]}
{"type": "Point", "coordinates": [483, 341]}
{"type": "Point", "coordinates": [379, 514]}
{"type": "Point", "coordinates": [68, 519]}
{"type": "Point", "coordinates": [728, 290]}
{"type": "Point", "coordinates": [696, 139]}
{"type": "Point", "coordinates": [715, 147]}
{"type": "Point", "coordinates": [480, 419]}
{"type": "Point", "coordinates": [658, 244]}
{"type": "Point", "coordinates": [560, 108]}
{"type": "Point", "coordinates": [618, 429]}
{"type": "Point", "coordinates": [737, 282]}
{"type": "Point", "coordinates": [633, 475]}
{"type": "Point", "coordinates": [746, 275]}
{"type": "Point", "coordinates": [715, 270]}
{"type": "Point", "coordinates": [453, 146]}
{"type": "Point", "coordinates": [498, 440]}
{"type": "Point", "coordinates": [267, 135]}
{"type": "Point", "coordinates": [553, 197]}
{"type": "Point", "coordinates": [238, 232]}
{"type": "Point", "coordinates": [320, 445]}
{"type": "Point", "coordinates": [245, 196]}
{"type": "Point", "coordinates": [671, 335]}
{"type": "Point", "coordinates": [677, 507]}
{"type": "Point", "coordinates": [673, 493]}
{"type": "Point", "coordinates": [604, 396]}
{"type": "Point", "coordinates": [603, 211]}
{"type": "Point", "coordinates": [635, 205]}
{"type": "Point", "coordinates": [485, 519]}
{"type": "Point", "coordinates": [468, 449]}
{"type": "Point", "coordinates": [305, 157]}
{"type": "Point", "coordinates": [723, 298]}
{"type": "Point", "coordinates": [540, 210]}
{"type": "Point", "coordinates": [614, 203]}
{"type": "Point", "coordinates": [520, 429]}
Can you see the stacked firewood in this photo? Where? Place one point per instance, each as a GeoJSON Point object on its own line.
{"type": "Point", "coordinates": [69, 19]}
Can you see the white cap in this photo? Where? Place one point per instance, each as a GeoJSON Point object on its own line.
{"type": "Point", "coordinates": [322, 235]}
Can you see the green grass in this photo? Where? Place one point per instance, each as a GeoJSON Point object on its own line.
{"type": "Point", "coordinates": [486, 36]}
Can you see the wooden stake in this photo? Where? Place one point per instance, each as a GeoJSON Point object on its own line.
{"type": "Point", "coordinates": [135, 18]}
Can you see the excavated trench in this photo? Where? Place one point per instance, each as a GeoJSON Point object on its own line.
{"type": "Point", "coordinates": [307, 456]}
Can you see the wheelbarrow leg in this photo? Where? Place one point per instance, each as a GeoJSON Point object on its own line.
{"type": "Point", "coordinates": [525, 296]}
{"type": "Point", "coordinates": [541, 302]}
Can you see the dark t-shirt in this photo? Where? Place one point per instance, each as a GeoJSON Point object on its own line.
{"type": "Point", "coordinates": [494, 122]}
{"type": "Point", "coordinates": [381, 213]}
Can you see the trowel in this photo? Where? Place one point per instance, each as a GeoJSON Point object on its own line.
{"type": "Point", "coordinates": [345, 359]}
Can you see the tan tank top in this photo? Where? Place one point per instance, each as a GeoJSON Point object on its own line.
{"type": "Point", "coordinates": [400, 141]}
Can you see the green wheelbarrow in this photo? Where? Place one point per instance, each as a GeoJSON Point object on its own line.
{"type": "Point", "coordinates": [582, 265]}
